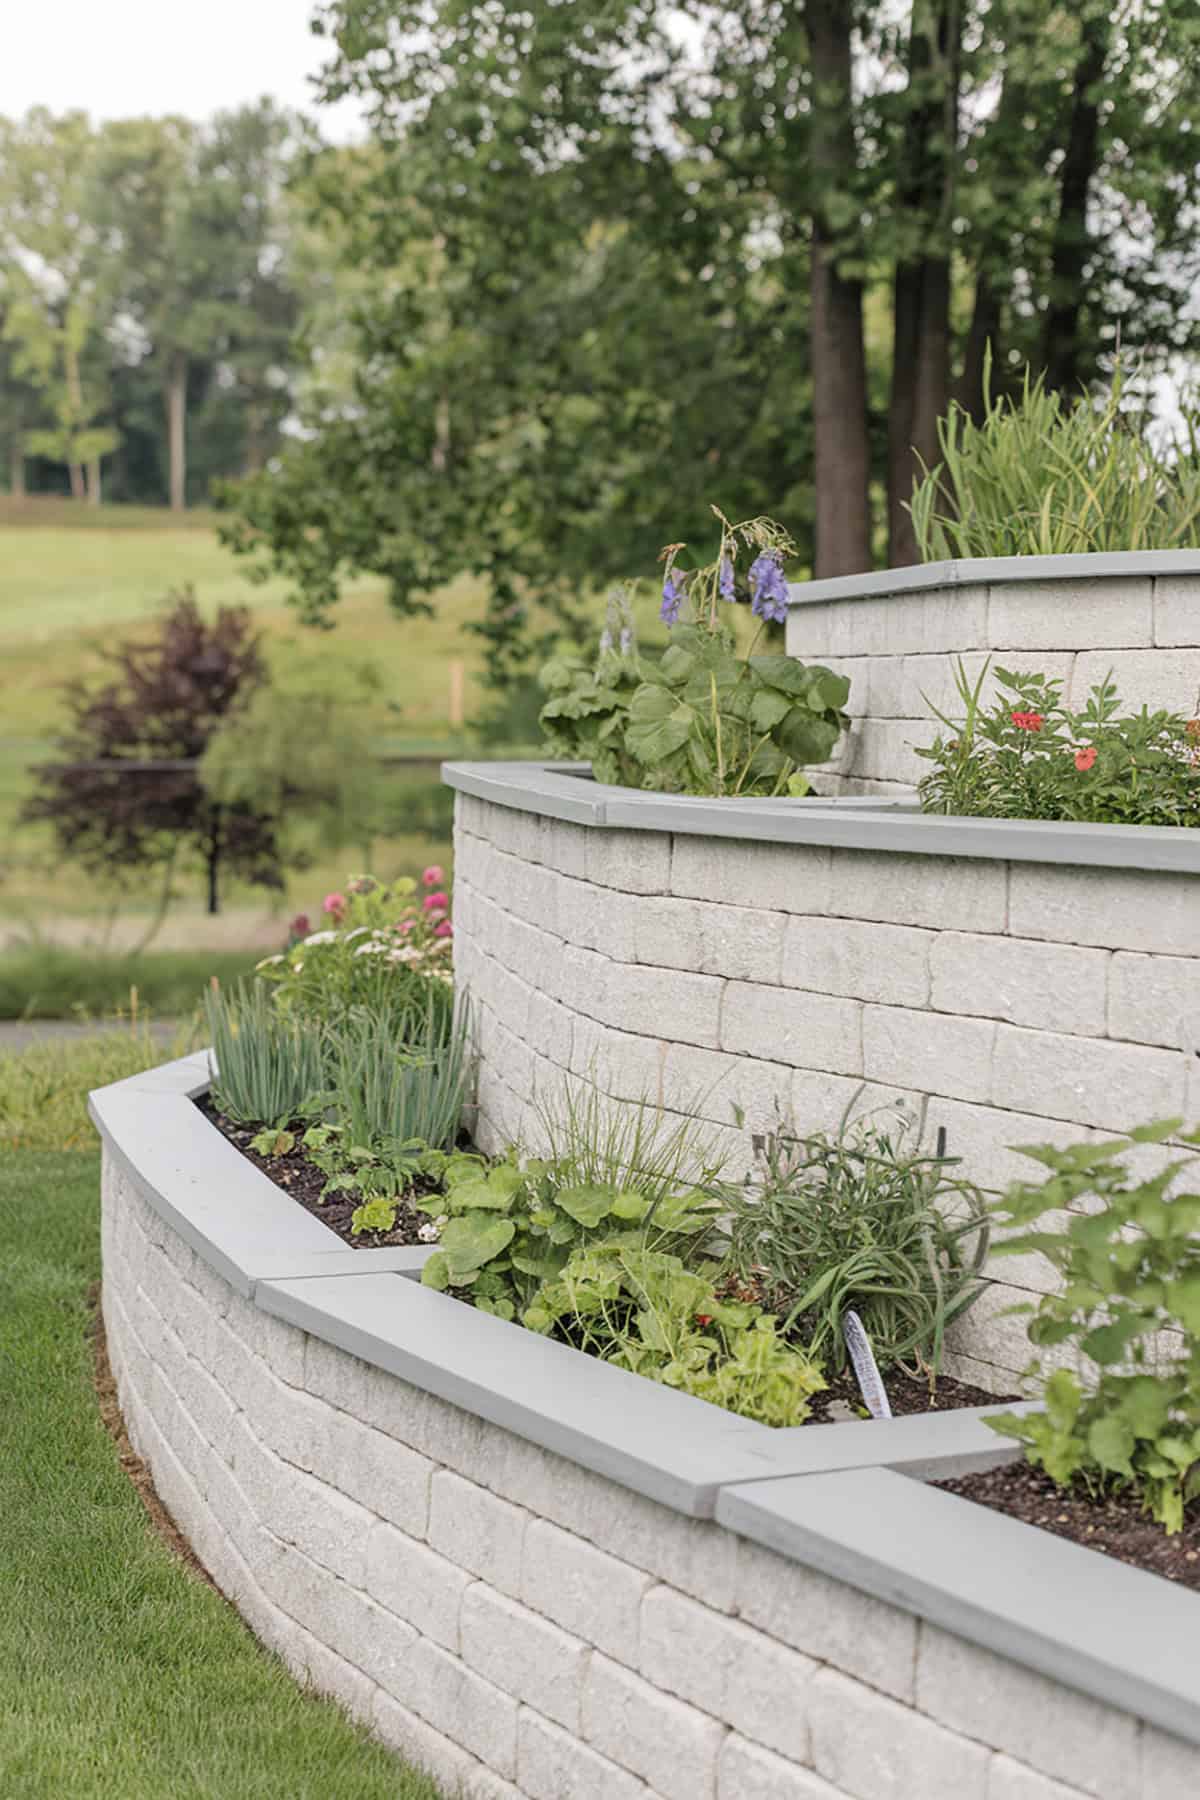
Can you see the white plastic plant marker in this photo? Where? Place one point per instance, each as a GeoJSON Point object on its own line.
{"type": "Point", "coordinates": [870, 1381]}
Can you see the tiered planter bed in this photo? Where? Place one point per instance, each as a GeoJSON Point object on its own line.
{"type": "Point", "coordinates": [544, 1577]}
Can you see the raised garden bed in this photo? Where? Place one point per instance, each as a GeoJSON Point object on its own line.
{"type": "Point", "coordinates": [496, 1549]}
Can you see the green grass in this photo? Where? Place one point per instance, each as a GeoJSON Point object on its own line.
{"type": "Point", "coordinates": [122, 1676]}
{"type": "Point", "coordinates": [47, 981]}
{"type": "Point", "coordinates": [44, 1089]}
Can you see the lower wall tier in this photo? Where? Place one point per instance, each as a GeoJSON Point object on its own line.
{"type": "Point", "coordinates": [524, 1628]}
{"type": "Point", "coordinates": [1005, 1002]}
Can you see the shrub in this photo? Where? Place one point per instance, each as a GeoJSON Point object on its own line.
{"type": "Point", "coordinates": [270, 1066]}
{"type": "Point", "coordinates": [1041, 476]}
{"type": "Point", "coordinates": [701, 720]}
{"type": "Point", "coordinates": [1128, 1311]}
{"type": "Point", "coordinates": [859, 1219]}
{"type": "Point", "coordinates": [644, 1310]}
{"type": "Point", "coordinates": [1031, 757]}
{"type": "Point", "coordinates": [44, 1088]}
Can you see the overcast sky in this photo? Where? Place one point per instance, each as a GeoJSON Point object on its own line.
{"type": "Point", "coordinates": [114, 58]}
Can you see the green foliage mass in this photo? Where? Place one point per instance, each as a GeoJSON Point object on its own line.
{"type": "Point", "coordinates": [860, 1219]}
{"type": "Point", "coordinates": [1044, 474]}
{"type": "Point", "coordinates": [644, 1310]}
{"type": "Point", "coordinates": [1127, 1256]}
{"type": "Point", "coordinates": [701, 720]}
{"type": "Point", "coordinates": [1031, 757]}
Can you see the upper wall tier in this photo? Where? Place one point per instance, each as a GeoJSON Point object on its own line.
{"type": "Point", "coordinates": [898, 633]}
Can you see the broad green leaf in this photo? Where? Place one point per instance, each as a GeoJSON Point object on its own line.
{"type": "Point", "coordinates": [473, 1240]}
{"type": "Point", "coordinates": [586, 1204]}
{"type": "Point", "coordinates": [1111, 1441]}
{"type": "Point", "coordinates": [767, 708]}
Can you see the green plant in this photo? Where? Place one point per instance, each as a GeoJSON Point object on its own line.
{"type": "Point", "coordinates": [384, 952]}
{"type": "Point", "coordinates": [514, 1226]}
{"type": "Point", "coordinates": [1040, 475]}
{"type": "Point", "coordinates": [859, 1219]}
{"type": "Point", "coordinates": [269, 1067]}
{"type": "Point", "coordinates": [380, 1091]}
{"type": "Point", "coordinates": [645, 1310]}
{"type": "Point", "coordinates": [44, 1088]}
{"type": "Point", "coordinates": [1031, 757]}
{"type": "Point", "coordinates": [1128, 1310]}
{"type": "Point", "coordinates": [701, 719]}
{"type": "Point", "coordinates": [52, 981]}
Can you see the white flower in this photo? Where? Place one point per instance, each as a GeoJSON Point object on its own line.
{"type": "Point", "coordinates": [322, 937]}
{"type": "Point", "coordinates": [371, 949]}
{"type": "Point", "coordinates": [268, 960]}
{"type": "Point", "coordinates": [429, 1234]}
{"type": "Point", "coordinates": [357, 932]}
{"type": "Point", "coordinates": [409, 954]}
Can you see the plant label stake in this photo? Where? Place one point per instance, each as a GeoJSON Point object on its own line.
{"type": "Point", "coordinates": [870, 1381]}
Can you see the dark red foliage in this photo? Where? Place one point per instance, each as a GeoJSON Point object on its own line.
{"type": "Point", "coordinates": [111, 808]}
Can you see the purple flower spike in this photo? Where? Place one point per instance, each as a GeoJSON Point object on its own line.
{"type": "Point", "coordinates": [768, 587]}
{"type": "Point", "coordinates": [725, 579]}
{"type": "Point", "coordinates": [672, 600]}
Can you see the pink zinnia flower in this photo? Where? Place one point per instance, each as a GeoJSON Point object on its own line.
{"type": "Point", "coordinates": [433, 874]}
{"type": "Point", "coordinates": [405, 925]}
{"type": "Point", "coordinates": [436, 902]}
{"type": "Point", "coordinates": [299, 926]}
{"type": "Point", "coordinates": [443, 929]}
{"type": "Point", "coordinates": [334, 905]}
{"type": "Point", "coordinates": [1085, 758]}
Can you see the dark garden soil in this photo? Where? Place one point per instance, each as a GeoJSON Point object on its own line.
{"type": "Point", "coordinates": [1115, 1525]}
{"type": "Point", "coordinates": [300, 1177]}
{"type": "Point", "coordinates": [906, 1394]}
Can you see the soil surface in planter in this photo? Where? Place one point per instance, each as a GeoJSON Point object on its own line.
{"type": "Point", "coordinates": [842, 1399]}
{"type": "Point", "coordinates": [1115, 1525]}
{"type": "Point", "coordinates": [299, 1176]}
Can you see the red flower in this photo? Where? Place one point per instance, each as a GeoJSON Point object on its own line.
{"type": "Point", "coordinates": [1085, 758]}
{"type": "Point", "coordinates": [1028, 721]}
{"type": "Point", "coordinates": [704, 1318]}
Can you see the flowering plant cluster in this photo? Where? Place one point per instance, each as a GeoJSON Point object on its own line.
{"type": "Point", "coordinates": [699, 719]}
{"type": "Point", "coordinates": [378, 936]}
{"type": "Point", "coordinates": [1031, 757]}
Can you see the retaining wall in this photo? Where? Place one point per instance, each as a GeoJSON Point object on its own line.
{"type": "Point", "coordinates": [528, 1629]}
{"type": "Point", "coordinates": [897, 634]}
{"type": "Point", "coordinates": [1005, 999]}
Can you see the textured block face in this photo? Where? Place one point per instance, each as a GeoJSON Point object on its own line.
{"type": "Point", "coordinates": [868, 1746]}
{"type": "Point", "coordinates": [1177, 611]}
{"type": "Point", "coordinates": [1064, 615]}
{"type": "Point", "coordinates": [672, 1746]}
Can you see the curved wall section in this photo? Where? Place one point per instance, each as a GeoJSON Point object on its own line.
{"type": "Point", "coordinates": [1132, 614]}
{"type": "Point", "coordinates": [529, 1629]}
{"type": "Point", "coordinates": [1006, 1000]}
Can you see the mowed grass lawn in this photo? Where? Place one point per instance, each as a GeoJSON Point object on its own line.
{"type": "Point", "coordinates": [122, 1676]}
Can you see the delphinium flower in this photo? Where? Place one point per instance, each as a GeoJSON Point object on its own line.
{"type": "Point", "coordinates": [725, 585]}
{"type": "Point", "coordinates": [768, 587]}
{"type": "Point", "coordinates": [672, 599]}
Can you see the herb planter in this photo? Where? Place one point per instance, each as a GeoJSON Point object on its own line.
{"type": "Point", "coordinates": [898, 633]}
{"type": "Point", "coordinates": [1017, 982]}
{"type": "Point", "coordinates": [540, 1575]}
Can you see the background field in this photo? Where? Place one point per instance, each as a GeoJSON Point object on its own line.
{"type": "Point", "coordinates": [75, 579]}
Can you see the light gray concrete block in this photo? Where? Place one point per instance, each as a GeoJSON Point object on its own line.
{"type": "Point", "coordinates": [946, 893]}
{"type": "Point", "coordinates": [666, 1003]}
{"type": "Point", "coordinates": [862, 960]}
{"type": "Point", "coordinates": [669, 1744]}
{"type": "Point", "coordinates": [1163, 679]}
{"type": "Point", "coordinates": [477, 1530]}
{"type": "Point", "coordinates": [933, 1053]}
{"type": "Point", "coordinates": [416, 1583]}
{"type": "Point", "coordinates": [1087, 1081]}
{"type": "Point", "coordinates": [827, 1621]}
{"type": "Point", "coordinates": [1177, 611]}
{"type": "Point", "coordinates": [586, 1591]}
{"type": "Point", "coordinates": [743, 943]}
{"type": "Point", "coordinates": [792, 1026]}
{"type": "Point", "coordinates": [1020, 980]}
{"type": "Point", "coordinates": [1060, 1734]}
{"type": "Point", "coordinates": [748, 1772]}
{"type": "Point", "coordinates": [1118, 909]}
{"type": "Point", "coordinates": [554, 1765]}
{"type": "Point", "coordinates": [420, 1745]}
{"type": "Point", "coordinates": [771, 877]}
{"type": "Point", "coordinates": [1170, 1767]}
{"type": "Point", "coordinates": [870, 1747]}
{"type": "Point", "coordinates": [524, 1654]}
{"type": "Point", "coordinates": [480, 1717]}
{"type": "Point", "coordinates": [1066, 615]}
{"type": "Point", "coordinates": [729, 1670]}
{"type": "Point", "coordinates": [636, 862]}
{"type": "Point", "coordinates": [1155, 1000]}
{"type": "Point", "coordinates": [1009, 1780]}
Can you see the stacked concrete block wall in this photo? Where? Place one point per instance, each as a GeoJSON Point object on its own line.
{"type": "Point", "coordinates": [527, 1630]}
{"type": "Point", "coordinates": [900, 646]}
{"type": "Point", "coordinates": [1008, 1002]}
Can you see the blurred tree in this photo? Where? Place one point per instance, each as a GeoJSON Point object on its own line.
{"type": "Point", "coordinates": [124, 793]}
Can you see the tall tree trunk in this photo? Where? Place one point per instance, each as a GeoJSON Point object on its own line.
{"type": "Point", "coordinates": [75, 477]}
{"type": "Point", "coordinates": [212, 861]}
{"type": "Point", "coordinates": [16, 469]}
{"type": "Point", "coordinates": [921, 342]}
{"type": "Point", "coordinates": [1060, 337]}
{"type": "Point", "coordinates": [177, 372]}
{"type": "Point", "coordinates": [984, 329]}
{"type": "Point", "coordinates": [839, 365]}
{"type": "Point", "coordinates": [94, 490]}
